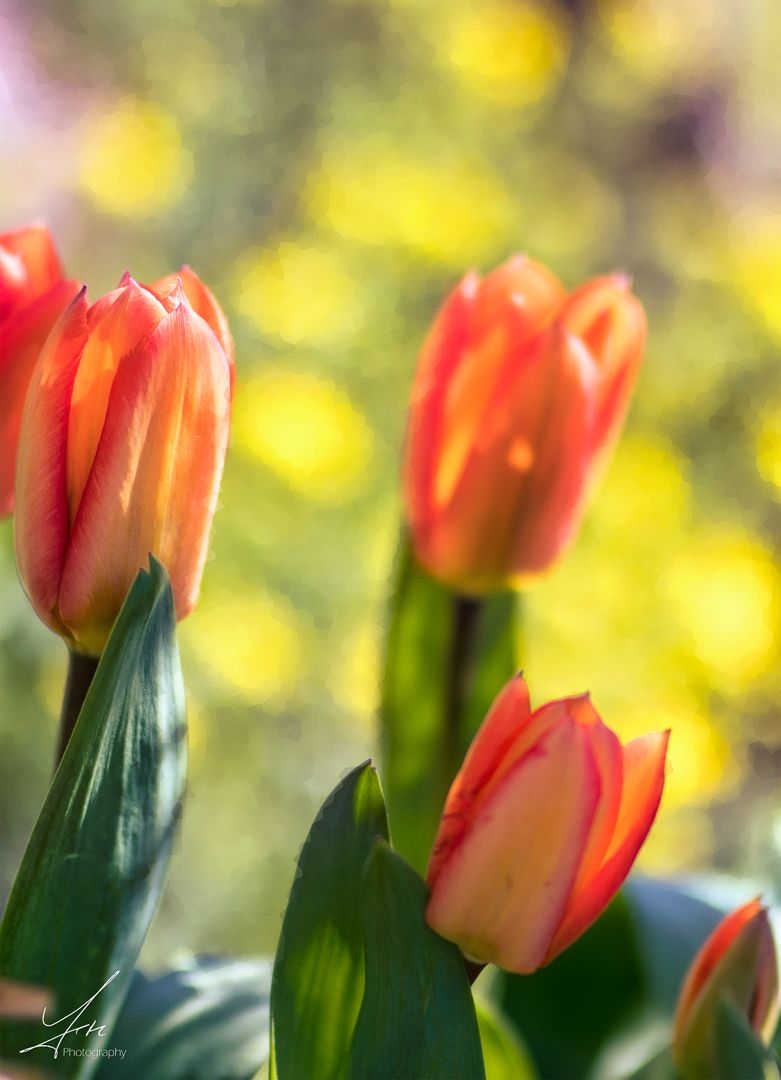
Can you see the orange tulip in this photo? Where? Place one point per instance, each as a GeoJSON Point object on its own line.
{"type": "Point", "coordinates": [33, 295]}
{"type": "Point", "coordinates": [540, 828]}
{"type": "Point", "coordinates": [518, 399]}
{"type": "Point", "coordinates": [121, 452]}
{"type": "Point", "coordinates": [739, 957]}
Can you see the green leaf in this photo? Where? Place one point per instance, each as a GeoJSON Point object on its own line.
{"type": "Point", "coordinates": [318, 972]}
{"type": "Point", "coordinates": [740, 1055]}
{"type": "Point", "coordinates": [92, 873]}
{"type": "Point", "coordinates": [505, 1056]}
{"type": "Point", "coordinates": [207, 1019]}
{"type": "Point", "coordinates": [416, 695]}
{"type": "Point", "coordinates": [669, 926]}
{"type": "Point", "coordinates": [417, 1018]}
{"type": "Point", "coordinates": [660, 1067]}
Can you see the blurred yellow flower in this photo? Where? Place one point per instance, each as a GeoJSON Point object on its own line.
{"type": "Point", "coordinates": [656, 38]}
{"type": "Point", "coordinates": [375, 193]}
{"type": "Point", "coordinates": [506, 51]}
{"type": "Point", "coordinates": [355, 679]}
{"type": "Point", "coordinates": [133, 163]}
{"type": "Point", "coordinates": [724, 594]}
{"type": "Point", "coordinates": [769, 444]}
{"type": "Point", "coordinates": [756, 252]}
{"type": "Point", "coordinates": [307, 431]}
{"type": "Point", "coordinates": [250, 642]}
{"type": "Point", "coordinates": [297, 292]}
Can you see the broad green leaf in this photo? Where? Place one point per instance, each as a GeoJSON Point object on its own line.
{"type": "Point", "coordinates": [505, 1056]}
{"type": "Point", "coordinates": [422, 754]}
{"type": "Point", "coordinates": [205, 1020]}
{"type": "Point", "coordinates": [318, 971]}
{"type": "Point", "coordinates": [92, 873]}
{"type": "Point", "coordinates": [660, 1067]}
{"type": "Point", "coordinates": [417, 1018]}
{"type": "Point", "coordinates": [740, 1055]}
{"type": "Point", "coordinates": [669, 927]}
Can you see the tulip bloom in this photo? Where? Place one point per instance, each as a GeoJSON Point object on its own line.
{"type": "Point", "coordinates": [33, 295]}
{"type": "Point", "coordinates": [518, 399]}
{"type": "Point", "coordinates": [739, 957]}
{"type": "Point", "coordinates": [540, 828]}
{"type": "Point", "coordinates": [121, 452]}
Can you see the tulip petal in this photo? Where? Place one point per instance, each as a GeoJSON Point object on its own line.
{"type": "Point", "coordinates": [511, 307]}
{"type": "Point", "coordinates": [766, 1006]}
{"type": "Point", "coordinates": [709, 955]}
{"type": "Point", "coordinates": [506, 717]}
{"type": "Point", "coordinates": [504, 519]}
{"type": "Point", "coordinates": [611, 323]}
{"type": "Point", "coordinates": [15, 292]}
{"type": "Point", "coordinates": [204, 303]}
{"type": "Point", "coordinates": [118, 323]}
{"type": "Point", "coordinates": [35, 247]}
{"type": "Point", "coordinates": [437, 362]}
{"type": "Point", "coordinates": [527, 288]}
{"type": "Point", "coordinates": [606, 747]}
{"type": "Point", "coordinates": [501, 893]}
{"type": "Point", "coordinates": [481, 328]}
{"type": "Point", "coordinates": [641, 792]}
{"type": "Point", "coordinates": [22, 338]}
{"type": "Point", "coordinates": [41, 519]}
{"type": "Point", "coordinates": [155, 477]}
{"type": "Point", "coordinates": [730, 960]}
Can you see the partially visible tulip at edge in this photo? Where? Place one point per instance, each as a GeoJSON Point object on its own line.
{"type": "Point", "coordinates": [519, 397]}
{"type": "Point", "coordinates": [738, 958]}
{"type": "Point", "coordinates": [33, 295]}
{"type": "Point", "coordinates": [540, 828]}
{"type": "Point", "coordinates": [121, 452]}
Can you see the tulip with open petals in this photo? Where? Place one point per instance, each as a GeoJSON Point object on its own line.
{"type": "Point", "coordinates": [738, 958]}
{"type": "Point", "coordinates": [540, 828]}
{"type": "Point", "coordinates": [33, 295]}
{"type": "Point", "coordinates": [121, 452]}
{"type": "Point", "coordinates": [518, 399]}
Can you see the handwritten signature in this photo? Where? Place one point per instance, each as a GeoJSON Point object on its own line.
{"type": "Point", "coordinates": [73, 1027]}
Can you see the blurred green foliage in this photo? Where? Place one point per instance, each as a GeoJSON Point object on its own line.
{"type": "Point", "coordinates": [330, 167]}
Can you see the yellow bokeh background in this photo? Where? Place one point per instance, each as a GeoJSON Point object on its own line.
{"type": "Point", "coordinates": [331, 179]}
{"type": "Point", "coordinates": [133, 161]}
{"type": "Point", "coordinates": [299, 293]}
{"type": "Point", "coordinates": [307, 432]}
{"type": "Point", "coordinates": [255, 643]}
{"type": "Point", "coordinates": [452, 211]}
{"type": "Point", "coordinates": [507, 52]}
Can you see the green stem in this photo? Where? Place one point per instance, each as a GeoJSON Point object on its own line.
{"type": "Point", "coordinates": [81, 671]}
{"type": "Point", "coordinates": [459, 680]}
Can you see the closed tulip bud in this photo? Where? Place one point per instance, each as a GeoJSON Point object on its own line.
{"type": "Point", "coordinates": [738, 958]}
{"type": "Point", "coordinates": [33, 295]}
{"type": "Point", "coordinates": [121, 452]}
{"type": "Point", "coordinates": [518, 399]}
{"type": "Point", "coordinates": [540, 828]}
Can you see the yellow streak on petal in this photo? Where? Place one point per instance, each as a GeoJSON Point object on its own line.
{"type": "Point", "coordinates": [465, 403]}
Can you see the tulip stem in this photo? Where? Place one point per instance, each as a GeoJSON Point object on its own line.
{"type": "Point", "coordinates": [81, 671]}
{"type": "Point", "coordinates": [460, 674]}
